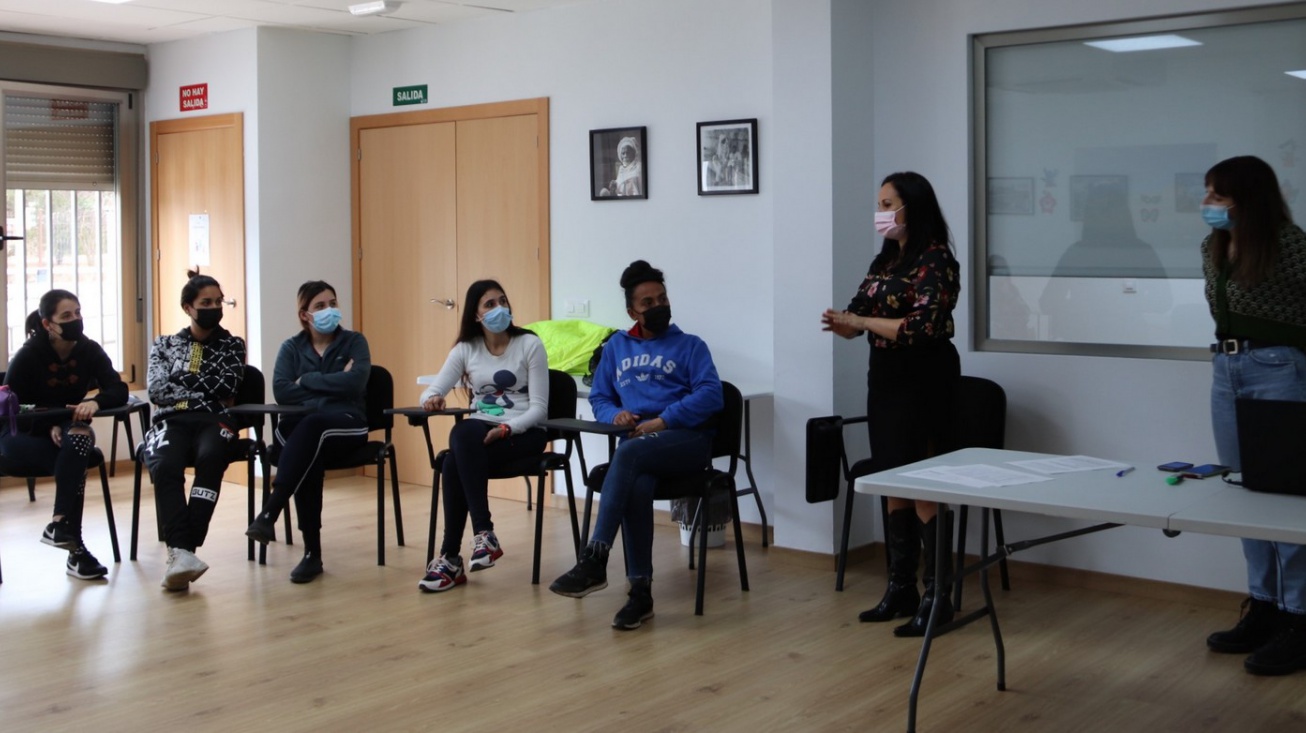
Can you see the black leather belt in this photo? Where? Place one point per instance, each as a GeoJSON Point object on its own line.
{"type": "Point", "coordinates": [1237, 346]}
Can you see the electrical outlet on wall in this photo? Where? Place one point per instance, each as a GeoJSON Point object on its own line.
{"type": "Point", "coordinates": [578, 308]}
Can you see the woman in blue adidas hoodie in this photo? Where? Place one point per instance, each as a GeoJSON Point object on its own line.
{"type": "Point", "coordinates": [660, 382]}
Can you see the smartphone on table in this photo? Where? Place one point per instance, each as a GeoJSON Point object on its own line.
{"type": "Point", "coordinates": [1204, 470]}
{"type": "Point", "coordinates": [1174, 466]}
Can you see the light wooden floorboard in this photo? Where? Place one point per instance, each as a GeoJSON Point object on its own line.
{"type": "Point", "coordinates": [362, 650]}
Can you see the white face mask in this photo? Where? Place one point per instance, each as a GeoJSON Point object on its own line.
{"type": "Point", "coordinates": [887, 225]}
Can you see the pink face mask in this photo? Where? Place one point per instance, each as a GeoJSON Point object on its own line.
{"type": "Point", "coordinates": [887, 226]}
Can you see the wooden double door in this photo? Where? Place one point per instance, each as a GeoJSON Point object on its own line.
{"type": "Point", "coordinates": [443, 198]}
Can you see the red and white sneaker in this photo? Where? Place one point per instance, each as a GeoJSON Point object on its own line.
{"type": "Point", "coordinates": [485, 550]}
{"type": "Point", "coordinates": [442, 574]}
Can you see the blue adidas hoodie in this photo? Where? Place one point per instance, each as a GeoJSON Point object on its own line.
{"type": "Point", "coordinates": [669, 376]}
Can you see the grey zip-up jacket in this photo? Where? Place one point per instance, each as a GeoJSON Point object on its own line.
{"type": "Point", "coordinates": [303, 378]}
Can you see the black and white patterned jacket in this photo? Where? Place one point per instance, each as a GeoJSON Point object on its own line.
{"type": "Point", "coordinates": [186, 375]}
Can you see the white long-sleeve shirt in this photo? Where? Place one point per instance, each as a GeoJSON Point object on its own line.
{"type": "Point", "coordinates": [511, 388]}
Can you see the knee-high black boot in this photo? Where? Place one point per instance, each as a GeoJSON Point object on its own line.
{"type": "Point", "coordinates": [904, 547]}
{"type": "Point", "coordinates": [936, 589]}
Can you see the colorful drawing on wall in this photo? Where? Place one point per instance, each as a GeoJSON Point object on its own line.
{"type": "Point", "coordinates": [1189, 190]}
{"type": "Point", "coordinates": [1011, 196]}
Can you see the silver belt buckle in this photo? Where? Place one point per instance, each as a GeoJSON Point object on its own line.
{"type": "Point", "coordinates": [1230, 346]}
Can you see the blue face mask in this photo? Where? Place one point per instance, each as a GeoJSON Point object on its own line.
{"type": "Point", "coordinates": [497, 319]}
{"type": "Point", "coordinates": [326, 320]}
{"type": "Point", "coordinates": [1217, 216]}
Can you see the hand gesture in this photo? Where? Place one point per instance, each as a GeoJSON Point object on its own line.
{"type": "Point", "coordinates": [841, 323]}
{"type": "Point", "coordinates": [84, 411]}
{"type": "Point", "coordinates": [434, 403]}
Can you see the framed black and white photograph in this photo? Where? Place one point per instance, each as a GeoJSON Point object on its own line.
{"type": "Point", "coordinates": [1011, 196]}
{"type": "Point", "coordinates": [1189, 190]}
{"type": "Point", "coordinates": [727, 157]}
{"type": "Point", "coordinates": [618, 164]}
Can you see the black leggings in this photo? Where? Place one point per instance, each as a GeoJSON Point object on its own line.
{"type": "Point", "coordinates": [466, 475]}
{"type": "Point", "coordinates": [305, 442]}
{"type": "Point", "coordinates": [199, 439]}
{"type": "Point", "coordinates": [23, 454]}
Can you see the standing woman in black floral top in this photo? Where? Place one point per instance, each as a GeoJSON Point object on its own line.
{"type": "Point", "coordinates": [193, 378]}
{"type": "Point", "coordinates": [905, 306]}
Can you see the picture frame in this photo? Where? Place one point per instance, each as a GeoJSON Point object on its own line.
{"type": "Point", "coordinates": [1189, 190]}
{"type": "Point", "coordinates": [612, 177]}
{"type": "Point", "coordinates": [1084, 190]}
{"type": "Point", "coordinates": [1011, 196]}
{"type": "Point", "coordinates": [727, 157]}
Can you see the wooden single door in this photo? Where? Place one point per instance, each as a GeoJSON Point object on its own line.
{"type": "Point", "coordinates": [197, 189]}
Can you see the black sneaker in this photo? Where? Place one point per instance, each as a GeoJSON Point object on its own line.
{"type": "Point", "coordinates": [83, 565]}
{"type": "Point", "coordinates": [1260, 621]}
{"type": "Point", "coordinates": [638, 609]}
{"type": "Point", "coordinates": [263, 529]}
{"type": "Point", "coordinates": [1285, 653]}
{"type": "Point", "coordinates": [589, 574]}
{"type": "Point", "coordinates": [59, 534]}
{"type": "Point", "coordinates": [307, 569]}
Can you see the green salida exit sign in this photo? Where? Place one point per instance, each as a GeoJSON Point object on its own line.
{"type": "Point", "coordinates": [410, 95]}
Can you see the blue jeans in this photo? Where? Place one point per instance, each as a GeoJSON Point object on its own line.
{"type": "Point", "coordinates": [1276, 571]}
{"type": "Point", "coordinates": [628, 489]}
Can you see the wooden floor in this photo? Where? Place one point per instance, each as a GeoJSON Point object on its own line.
{"type": "Point", "coordinates": [361, 649]}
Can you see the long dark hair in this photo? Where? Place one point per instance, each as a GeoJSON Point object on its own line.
{"type": "Point", "coordinates": [1259, 212]}
{"type": "Point", "coordinates": [197, 282]}
{"type": "Point", "coordinates": [45, 309]}
{"type": "Point", "coordinates": [925, 223]}
{"type": "Point", "coordinates": [307, 292]}
{"type": "Point", "coordinates": [469, 329]}
{"type": "Point", "coordinates": [638, 273]}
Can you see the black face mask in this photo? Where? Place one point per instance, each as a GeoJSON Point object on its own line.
{"type": "Point", "coordinates": [657, 319]}
{"type": "Point", "coordinates": [208, 318]}
{"type": "Point", "coordinates": [72, 330]}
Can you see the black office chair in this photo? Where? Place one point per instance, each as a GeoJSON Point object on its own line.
{"type": "Point", "coordinates": [982, 423]}
{"type": "Point", "coordinates": [135, 406]}
{"type": "Point", "coordinates": [250, 450]}
{"type": "Point", "coordinates": [97, 461]}
{"type": "Point", "coordinates": [562, 404]}
{"type": "Point", "coordinates": [701, 486]}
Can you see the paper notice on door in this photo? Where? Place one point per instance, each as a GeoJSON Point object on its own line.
{"type": "Point", "coordinates": [199, 240]}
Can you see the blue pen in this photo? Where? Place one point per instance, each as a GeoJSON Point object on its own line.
{"type": "Point", "coordinates": [1124, 471]}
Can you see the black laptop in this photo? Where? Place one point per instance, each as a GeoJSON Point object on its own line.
{"type": "Point", "coordinates": [1272, 443]}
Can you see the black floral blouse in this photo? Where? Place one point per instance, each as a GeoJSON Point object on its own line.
{"type": "Point", "coordinates": [923, 297]}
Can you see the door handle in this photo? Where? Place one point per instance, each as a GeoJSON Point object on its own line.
{"type": "Point", "coordinates": [6, 238]}
{"type": "Point", "coordinates": [446, 302]}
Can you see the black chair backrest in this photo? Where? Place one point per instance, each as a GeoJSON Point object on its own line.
{"type": "Point", "coordinates": [825, 458]}
{"type": "Point", "coordinates": [380, 397]}
{"type": "Point", "coordinates": [981, 413]}
{"type": "Point", "coordinates": [562, 399]}
{"type": "Point", "coordinates": [253, 389]}
{"type": "Point", "coordinates": [730, 426]}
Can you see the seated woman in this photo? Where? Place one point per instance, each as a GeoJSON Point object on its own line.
{"type": "Point", "coordinates": [661, 382]}
{"type": "Point", "coordinates": [323, 367]}
{"type": "Point", "coordinates": [56, 368]}
{"type": "Point", "coordinates": [193, 378]}
{"type": "Point", "coordinates": [506, 374]}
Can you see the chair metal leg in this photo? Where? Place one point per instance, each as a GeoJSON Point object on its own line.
{"type": "Point", "coordinates": [739, 549]}
{"type": "Point", "coordinates": [528, 492]}
{"type": "Point", "coordinates": [843, 543]}
{"type": "Point", "coordinates": [571, 506]}
{"type": "Point", "coordinates": [249, 513]}
{"type": "Point", "coordinates": [136, 510]}
{"type": "Point", "coordinates": [113, 444]}
{"type": "Point", "coordinates": [702, 557]}
{"type": "Point", "coordinates": [380, 511]}
{"type": "Point", "coordinates": [394, 490]}
{"type": "Point", "coordinates": [962, 512]}
{"type": "Point", "coordinates": [539, 525]}
{"type": "Point", "coordinates": [108, 511]}
{"type": "Point", "coordinates": [31, 489]}
{"type": "Point", "coordinates": [435, 513]}
{"type": "Point", "coordinates": [1001, 538]}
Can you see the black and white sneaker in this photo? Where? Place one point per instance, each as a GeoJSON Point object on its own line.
{"type": "Point", "coordinates": [639, 607]}
{"type": "Point", "coordinates": [59, 534]}
{"type": "Point", "coordinates": [589, 574]}
{"type": "Point", "coordinates": [83, 565]}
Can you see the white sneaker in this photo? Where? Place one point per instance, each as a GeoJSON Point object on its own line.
{"type": "Point", "coordinates": [183, 569]}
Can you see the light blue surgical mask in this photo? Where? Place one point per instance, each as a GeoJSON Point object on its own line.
{"type": "Point", "coordinates": [497, 319]}
{"type": "Point", "coordinates": [326, 320]}
{"type": "Point", "coordinates": [1217, 216]}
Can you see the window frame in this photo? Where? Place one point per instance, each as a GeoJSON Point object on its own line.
{"type": "Point", "coordinates": [980, 45]}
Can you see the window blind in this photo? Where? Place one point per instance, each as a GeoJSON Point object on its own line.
{"type": "Point", "coordinates": [60, 143]}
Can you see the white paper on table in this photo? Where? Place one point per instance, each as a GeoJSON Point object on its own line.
{"type": "Point", "coordinates": [1068, 464]}
{"type": "Point", "coordinates": [977, 475]}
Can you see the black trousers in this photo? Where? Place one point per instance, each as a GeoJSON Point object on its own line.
{"type": "Point", "coordinates": [200, 439]}
{"type": "Point", "coordinates": [305, 441]}
{"type": "Point", "coordinates": [22, 454]}
{"type": "Point", "coordinates": [466, 475]}
{"type": "Point", "coordinates": [911, 402]}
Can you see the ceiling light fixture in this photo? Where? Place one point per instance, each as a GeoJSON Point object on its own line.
{"type": "Point", "coordinates": [112, 2]}
{"type": "Point", "coordinates": [376, 7]}
{"type": "Point", "coordinates": [1142, 43]}
{"type": "Point", "coordinates": [1299, 74]}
